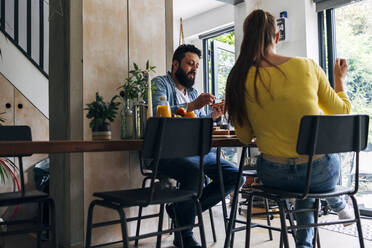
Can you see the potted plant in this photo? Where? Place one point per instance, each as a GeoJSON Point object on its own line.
{"type": "Point", "coordinates": [2, 120]}
{"type": "Point", "coordinates": [135, 85]}
{"type": "Point", "coordinates": [101, 113]}
{"type": "Point", "coordinates": [134, 92]}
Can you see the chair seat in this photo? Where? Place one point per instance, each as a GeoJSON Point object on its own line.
{"type": "Point", "coordinates": [277, 193]}
{"type": "Point", "coordinates": [13, 198]}
{"type": "Point", "coordinates": [140, 197]}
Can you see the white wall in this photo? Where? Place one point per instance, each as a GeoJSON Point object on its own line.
{"type": "Point", "coordinates": [302, 20]}
{"type": "Point", "coordinates": [24, 75]}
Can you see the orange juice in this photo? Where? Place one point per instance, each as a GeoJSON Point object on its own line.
{"type": "Point", "coordinates": [163, 111]}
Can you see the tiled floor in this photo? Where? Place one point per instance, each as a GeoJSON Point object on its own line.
{"type": "Point", "coordinates": [259, 238]}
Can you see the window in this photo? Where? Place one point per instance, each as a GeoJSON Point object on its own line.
{"type": "Point", "coordinates": [346, 32]}
{"type": "Point", "coordinates": [220, 50]}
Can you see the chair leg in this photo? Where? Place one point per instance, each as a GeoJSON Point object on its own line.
{"type": "Point", "coordinates": [200, 222]}
{"type": "Point", "coordinates": [290, 218]}
{"type": "Point", "coordinates": [52, 208]}
{"type": "Point", "coordinates": [268, 217]}
{"type": "Point", "coordinates": [40, 223]}
{"type": "Point", "coordinates": [160, 225]}
{"type": "Point", "coordinates": [318, 240]}
{"type": "Point", "coordinates": [249, 220]}
{"type": "Point", "coordinates": [358, 223]}
{"type": "Point", "coordinates": [138, 225]}
{"type": "Point", "coordinates": [124, 231]}
{"type": "Point", "coordinates": [138, 228]}
{"type": "Point", "coordinates": [212, 225]}
{"type": "Point", "coordinates": [284, 231]}
{"type": "Point", "coordinates": [233, 226]}
{"type": "Point", "coordinates": [88, 238]}
{"type": "Point", "coordinates": [316, 209]}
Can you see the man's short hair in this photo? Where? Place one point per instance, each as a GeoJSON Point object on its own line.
{"type": "Point", "coordinates": [179, 54]}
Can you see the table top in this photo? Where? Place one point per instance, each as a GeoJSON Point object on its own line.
{"type": "Point", "coordinates": [69, 146]}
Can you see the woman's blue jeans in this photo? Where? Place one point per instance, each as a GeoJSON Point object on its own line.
{"type": "Point", "coordinates": [186, 172]}
{"type": "Point", "coordinates": [325, 175]}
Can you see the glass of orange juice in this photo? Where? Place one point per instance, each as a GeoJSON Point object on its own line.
{"type": "Point", "coordinates": [163, 109]}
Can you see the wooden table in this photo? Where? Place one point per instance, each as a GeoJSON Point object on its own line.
{"type": "Point", "coordinates": [70, 146]}
{"type": "Point", "coordinates": [15, 148]}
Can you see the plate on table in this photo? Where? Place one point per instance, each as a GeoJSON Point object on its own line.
{"type": "Point", "coordinates": [223, 136]}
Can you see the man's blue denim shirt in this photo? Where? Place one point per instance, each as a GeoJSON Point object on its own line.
{"type": "Point", "coordinates": [165, 86]}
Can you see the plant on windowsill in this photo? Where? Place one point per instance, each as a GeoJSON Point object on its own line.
{"type": "Point", "coordinates": [101, 113]}
{"type": "Point", "coordinates": [134, 93]}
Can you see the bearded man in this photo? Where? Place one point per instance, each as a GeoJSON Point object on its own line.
{"type": "Point", "coordinates": [177, 86]}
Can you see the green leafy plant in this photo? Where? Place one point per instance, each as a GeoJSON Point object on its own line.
{"type": "Point", "coordinates": [135, 85]}
{"type": "Point", "coordinates": [101, 112]}
{"type": "Point", "coordinates": [2, 120]}
{"type": "Point", "coordinates": [3, 172]}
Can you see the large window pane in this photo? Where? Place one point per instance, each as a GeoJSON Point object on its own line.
{"type": "Point", "coordinates": [354, 42]}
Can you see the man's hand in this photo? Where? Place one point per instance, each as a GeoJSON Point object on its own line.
{"type": "Point", "coordinates": [218, 110]}
{"type": "Point", "coordinates": [202, 100]}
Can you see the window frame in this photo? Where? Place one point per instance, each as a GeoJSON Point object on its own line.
{"type": "Point", "coordinates": [327, 42]}
{"type": "Point", "coordinates": [327, 53]}
{"type": "Point", "coordinates": [207, 56]}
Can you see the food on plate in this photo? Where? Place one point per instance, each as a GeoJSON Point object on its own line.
{"type": "Point", "coordinates": [181, 111]}
{"type": "Point", "coordinates": [218, 105]}
{"type": "Point", "coordinates": [221, 132]}
{"type": "Point", "coordinates": [190, 115]}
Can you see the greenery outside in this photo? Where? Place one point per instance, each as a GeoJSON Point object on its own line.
{"type": "Point", "coordinates": [354, 42]}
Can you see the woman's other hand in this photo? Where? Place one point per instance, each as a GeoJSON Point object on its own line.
{"type": "Point", "coordinates": [340, 71]}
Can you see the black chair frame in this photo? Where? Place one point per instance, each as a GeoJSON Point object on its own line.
{"type": "Point", "coordinates": [162, 141]}
{"type": "Point", "coordinates": [23, 133]}
{"type": "Point", "coordinates": [230, 223]}
{"type": "Point", "coordinates": [163, 180]}
{"type": "Point", "coordinates": [319, 134]}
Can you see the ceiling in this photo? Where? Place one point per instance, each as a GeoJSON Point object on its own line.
{"type": "Point", "coordinates": [189, 8]}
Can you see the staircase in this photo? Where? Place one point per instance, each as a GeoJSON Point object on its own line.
{"type": "Point", "coordinates": [24, 45]}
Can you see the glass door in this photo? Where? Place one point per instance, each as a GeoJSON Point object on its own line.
{"type": "Point", "coordinates": [353, 29]}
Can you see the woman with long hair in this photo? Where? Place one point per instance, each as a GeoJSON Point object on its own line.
{"type": "Point", "coordinates": [266, 96]}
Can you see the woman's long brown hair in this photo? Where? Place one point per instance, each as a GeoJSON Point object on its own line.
{"type": "Point", "coordinates": [259, 32]}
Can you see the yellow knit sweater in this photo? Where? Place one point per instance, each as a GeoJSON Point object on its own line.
{"type": "Point", "coordinates": [303, 89]}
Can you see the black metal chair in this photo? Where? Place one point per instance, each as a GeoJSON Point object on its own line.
{"type": "Point", "coordinates": [23, 133]}
{"type": "Point", "coordinates": [232, 220]}
{"type": "Point", "coordinates": [319, 134]}
{"type": "Point", "coordinates": [148, 174]}
{"type": "Point", "coordinates": [165, 138]}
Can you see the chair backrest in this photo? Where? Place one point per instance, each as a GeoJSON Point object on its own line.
{"type": "Point", "coordinates": [177, 137]}
{"type": "Point", "coordinates": [17, 133]}
{"type": "Point", "coordinates": [167, 138]}
{"type": "Point", "coordinates": [322, 134]}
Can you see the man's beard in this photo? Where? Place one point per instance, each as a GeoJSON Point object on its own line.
{"type": "Point", "coordinates": [183, 79]}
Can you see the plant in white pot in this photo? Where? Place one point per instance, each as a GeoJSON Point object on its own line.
{"type": "Point", "coordinates": [102, 113]}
